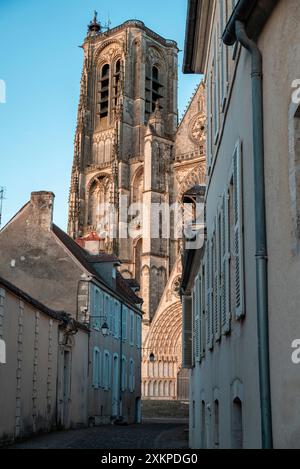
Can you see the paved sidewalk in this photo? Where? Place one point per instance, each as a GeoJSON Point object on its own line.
{"type": "Point", "coordinates": [149, 435]}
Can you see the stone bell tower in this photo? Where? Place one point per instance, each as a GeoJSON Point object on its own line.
{"type": "Point", "coordinates": [126, 127]}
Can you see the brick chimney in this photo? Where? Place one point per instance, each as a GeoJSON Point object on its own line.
{"type": "Point", "coordinates": [42, 208]}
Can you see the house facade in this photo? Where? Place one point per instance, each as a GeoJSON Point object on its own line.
{"type": "Point", "coordinates": [42, 260]}
{"type": "Point", "coordinates": [242, 299]}
{"type": "Point", "coordinates": [45, 374]}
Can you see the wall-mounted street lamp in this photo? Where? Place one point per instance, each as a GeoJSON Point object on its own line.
{"type": "Point", "coordinates": [105, 329]}
{"type": "Point", "coordinates": [151, 356]}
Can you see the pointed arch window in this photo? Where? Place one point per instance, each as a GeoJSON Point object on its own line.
{"type": "Point", "coordinates": [116, 83]}
{"type": "Point", "coordinates": [153, 91]}
{"type": "Point", "coordinates": [104, 91]}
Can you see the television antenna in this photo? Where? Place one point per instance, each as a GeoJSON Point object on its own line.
{"type": "Point", "coordinates": [2, 192]}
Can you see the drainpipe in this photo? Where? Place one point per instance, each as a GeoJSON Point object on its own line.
{"type": "Point", "coordinates": [260, 234]}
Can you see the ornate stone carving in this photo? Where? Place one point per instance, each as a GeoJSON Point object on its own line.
{"type": "Point", "coordinates": [197, 128]}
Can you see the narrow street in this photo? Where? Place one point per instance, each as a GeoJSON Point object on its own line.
{"type": "Point", "coordinates": [152, 434]}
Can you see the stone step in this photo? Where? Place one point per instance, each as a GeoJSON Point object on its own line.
{"type": "Point", "coordinates": [159, 409]}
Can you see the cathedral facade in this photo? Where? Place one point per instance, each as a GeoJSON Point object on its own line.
{"type": "Point", "coordinates": [132, 162]}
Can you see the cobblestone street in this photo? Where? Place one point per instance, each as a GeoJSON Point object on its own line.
{"type": "Point", "coordinates": [152, 434]}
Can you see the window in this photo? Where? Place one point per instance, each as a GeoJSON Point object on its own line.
{"type": "Point", "coordinates": [209, 295]}
{"type": "Point", "coordinates": [96, 368]}
{"type": "Point", "coordinates": [138, 326]}
{"type": "Point", "coordinates": [124, 323]}
{"type": "Point", "coordinates": [216, 424]}
{"type": "Point", "coordinates": [107, 370]}
{"type": "Point", "coordinates": [237, 424]}
{"type": "Point", "coordinates": [238, 231]}
{"type": "Point", "coordinates": [294, 172]}
{"type": "Point", "coordinates": [202, 311]}
{"type": "Point", "coordinates": [203, 425]}
{"type": "Point", "coordinates": [153, 91]}
{"type": "Point", "coordinates": [97, 308]}
{"type": "Point", "coordinates": [216, 290]}
{"type": "Point", "coordinates": [117, 318]}
{"type": "Point", "coordinates": [225, 264]}
{"type": "Point", "coordinates": [131, 328]}
{"type": "Point", "coordinates": [196, 316]}
{"type": "Point", "coordinates": [116, 83]}
{"type": "Point", "coordinates": [109, 313]}
{"type": "Point", "coordinates": [104, 92]}
{"type": "Point", "coordinates": [124, 373]}
{"type": "Point", "coordinates": [224, 55]}
{"type": "Point", "coordinates": [131, 376]}
{"type": "Point", "coordinates": [193, 416]}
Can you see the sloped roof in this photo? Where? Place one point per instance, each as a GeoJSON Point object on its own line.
{"type": "Point", "coordinates": [58, 315]}
{"type": "Point", "coordinates": [87, 261]}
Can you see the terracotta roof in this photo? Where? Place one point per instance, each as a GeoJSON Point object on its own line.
{"type": "Point", "coordinates": [92, 236]}
{"type": "Point", "coordinates": [85, 260]}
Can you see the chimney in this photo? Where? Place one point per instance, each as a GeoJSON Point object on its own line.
{"type": "Point", "coordinates": [42, 208]}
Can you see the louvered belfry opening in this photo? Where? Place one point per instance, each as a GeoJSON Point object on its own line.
{"type": "Point", "coordinates": [153, 91]}
{"type": "Point", "coordinates": [104, 92]}
{"type": "Point", "coordinates": [116, 83]}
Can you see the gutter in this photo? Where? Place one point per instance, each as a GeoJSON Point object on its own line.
{"type": "Point", "coordinates": [238, 29]}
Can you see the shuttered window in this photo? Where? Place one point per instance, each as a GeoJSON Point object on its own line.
{"type": "Point", "coordinates": [138, 323]}
{"type": "Point", "coordinates": [106, 370]}
{"type": "Point", "coordinates": [238, 231]}
{"type": "Point", "coordinates": [209, 305]}
{"type": "Point", "coordinates": [215, 285]}
{"type": "Point", "coordinates": [187, 332]}
{"type": "Point", "coordinates": [224, 55]}
{"type": "Point", "coordinates": [131, 328]}
{"type": "Point", "coordinates": [197, 319]}
{"type": "Point", "coordinates": [124, 323]}
{"type": "Point", "coordinates": [117, 313]}
{"type": "Point", "coordinates": [225, 269]}
{"type": "Point", "coordinates": [96, 368]}
{"type": "Point", "coordinates": [193, 326]}
{"type": "Point", "coordinates": [202, 311]}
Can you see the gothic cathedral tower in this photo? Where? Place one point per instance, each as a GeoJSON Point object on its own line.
{"type": "Point", "coordinates": [127, 121]}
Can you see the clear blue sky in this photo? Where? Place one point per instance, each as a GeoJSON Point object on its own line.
{"type": "Point", "coordinates": [41, 62]}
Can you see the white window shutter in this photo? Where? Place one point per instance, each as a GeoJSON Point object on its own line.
{"type": "Point", "coordinates": [238, 232]}
{"type": "Point", "coordinates": [199, 312]}
{"type": "Point", "coordinates": [209, 310]}
{"type": "Point", "coordinates": [124, 323]}
{"type": "Point", "coordinates": [196, 309]}
{"type": "Point", "coordinates": [217, 286]}
{"type": "Point", "coordinates": [193, 326]}
{"type": "Point", "coordinates": [225, 275]}
{"type": "Point", "coordinates": [202, 308]}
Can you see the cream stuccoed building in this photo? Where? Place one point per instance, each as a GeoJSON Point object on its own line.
{"type": "Point", "coordinates": [131, 162]}
{"type": "Point", "coordinates": [241, 289]}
